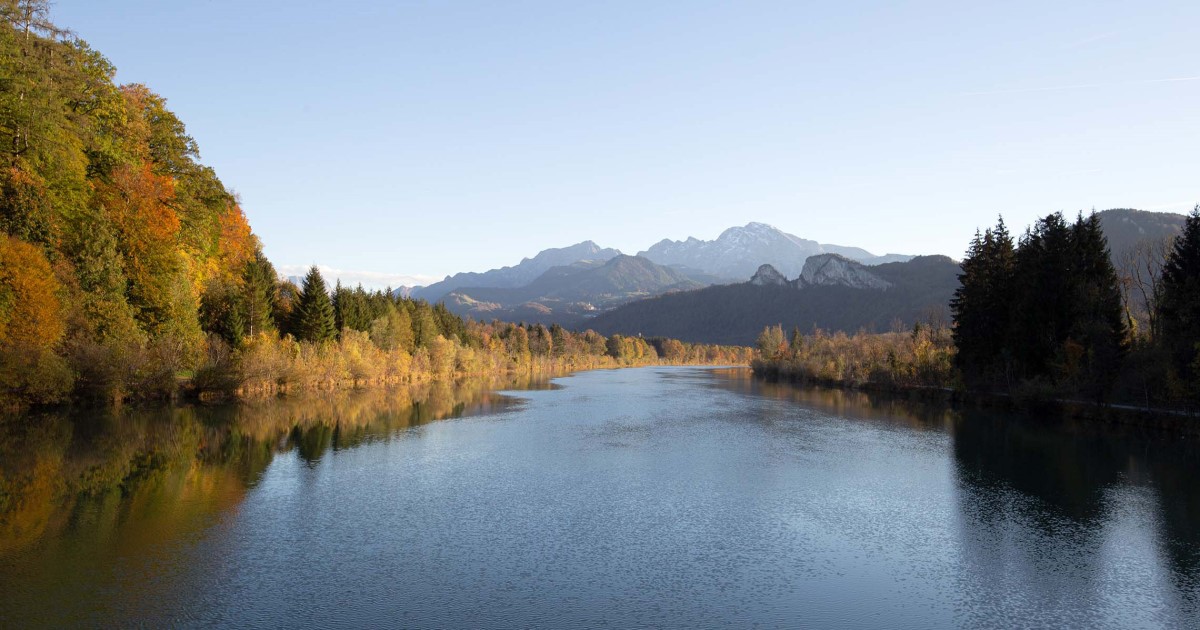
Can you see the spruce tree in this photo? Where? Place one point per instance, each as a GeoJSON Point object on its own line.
{"type": "Point", "coordinates": [1179, 307]}
{"type": "Point", "coordinates": [1043, 308]}
{"type": "Point", "coordinates": [260, 281]}
{"type": "Point", "coordinates": [1098, 325]}
{"type": "Point", "coordinates": [982, 308]}
{"type": "Point", "coordinates": [313, 315]}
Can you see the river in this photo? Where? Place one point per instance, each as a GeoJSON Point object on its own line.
{"type": "Point", "coordinates": [650, 497]}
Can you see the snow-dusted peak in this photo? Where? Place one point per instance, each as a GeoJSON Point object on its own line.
{"type": "Point", "coordinates": [738, 252]}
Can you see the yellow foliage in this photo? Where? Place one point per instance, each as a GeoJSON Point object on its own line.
{"type": "Point", "coordinates": [30, 312]}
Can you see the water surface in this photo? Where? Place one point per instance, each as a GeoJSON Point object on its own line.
{"type": "Point", "coordinates": [679, 497]}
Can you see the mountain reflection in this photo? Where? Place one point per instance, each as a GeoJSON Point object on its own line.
{"type": "Point", "coordinates": [92, 470]}
{"type": "Point", "coordinates": [1076, 486]}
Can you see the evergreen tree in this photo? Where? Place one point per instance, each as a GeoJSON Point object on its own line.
{"type": "Point", "coordinates": [1042, 309]}
{"type": "Point", "coordinates": [796, 341]}
{"type": "Point", "coordinates": [558, 340]}
{"type": "Point", "coordinates": [1179, 307]}
{"type": "Point", "coordinates": [982, 308]}
{"type": "Point", "coordinates": [1098, 326]}
{"type": "Point", "coordinates": [223, 312]}
{"type": "Point", "coordinates": [259, 279]}
{"type": "Point", "coordinates": [425, 326]}
{"type": "Point", "coordinates": [313, 314]}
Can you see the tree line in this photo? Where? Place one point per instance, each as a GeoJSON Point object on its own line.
{"type": "Point", "coordinates": [321, 338]}
{"type": "Point", "coordinates": [1040, 316]}
{"type": "Point", "coordinates": [1047, 314]}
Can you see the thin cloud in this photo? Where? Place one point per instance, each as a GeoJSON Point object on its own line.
{"type": "Point", "coordinates": [1087, 40]}
{"type": "Point", "coordinates": [1080, 86]}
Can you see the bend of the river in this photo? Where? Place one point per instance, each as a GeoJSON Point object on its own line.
{"type": "Point", "coordinates": [650, 497]}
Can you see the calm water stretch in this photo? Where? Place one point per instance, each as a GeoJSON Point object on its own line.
{"type": "Point", "coordinates": [680, 497]}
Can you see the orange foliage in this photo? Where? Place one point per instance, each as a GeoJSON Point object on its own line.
{"type": "Point", "coordinates": [237, 243]}
{"type": "Point", "coordinates": [138, 200]}
{"type": "Point", "coordinates": [30, 312]}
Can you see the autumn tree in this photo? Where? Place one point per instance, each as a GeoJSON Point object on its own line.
{"type": "Point", "coordinates": [31, 326]}
{"type": "Point", "coordinates": [771, 342]}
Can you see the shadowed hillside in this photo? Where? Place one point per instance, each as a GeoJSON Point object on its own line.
{"type": "Point", "coordinates": [921, 288]}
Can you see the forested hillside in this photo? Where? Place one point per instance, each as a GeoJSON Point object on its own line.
{"type": "Point", "coordinates": [113, 231]}
{"type": "Point", "coordinates": [736, 314]}
{"type": "Point", "coordinates": [128, 269]}
{"type": "Point", "coordinates": [567, 295]}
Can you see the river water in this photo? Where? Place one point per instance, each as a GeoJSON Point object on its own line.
{"type": "Point", "coordinates": [650, 497]}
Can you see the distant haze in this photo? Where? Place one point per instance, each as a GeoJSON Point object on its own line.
{"type": "Point", "coordinates": [424, 139]}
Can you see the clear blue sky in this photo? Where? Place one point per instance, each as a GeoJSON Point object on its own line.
{"type": "Point", "coordinates": [433, 137]}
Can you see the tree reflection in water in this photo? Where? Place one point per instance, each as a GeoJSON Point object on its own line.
{"type": "Point", "coordinates": [96, 469]}
{"type": "Point", "coordinates": [1068, 483]}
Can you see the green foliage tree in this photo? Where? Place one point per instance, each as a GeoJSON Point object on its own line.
{"type": "Point", "coordinates": [1098, 324]}
{"type": "Point", "coordinates": [1179, 307]}
{"type": "Point", "coordinates": [313, 315]}
{"type": "Point", "coordinates": [259, 280]}
{"type": "Point", "coordinates": [1048, 311]}
{"type": "Point", "coordinates": [425, 325]}
{"type": "Point", "coordinates": [223, 312]}
{"type": "Point", "coordinates": [982, 308]}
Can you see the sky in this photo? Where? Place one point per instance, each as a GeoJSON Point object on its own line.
{"type": "Point", "coordinates": [393, 142]}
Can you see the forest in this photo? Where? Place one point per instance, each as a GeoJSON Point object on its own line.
{"type": "Point", "coordinates": [129, 270]}
{"type": "Point", "coordinates": [1042, 317]}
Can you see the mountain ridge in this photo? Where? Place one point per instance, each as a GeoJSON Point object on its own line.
{"type": "Point", "coordinates": [567, 294]}
{"type": "Point", "coordinates": [896, 294]}
{"type": "Point", "coordinates": [738, 251]}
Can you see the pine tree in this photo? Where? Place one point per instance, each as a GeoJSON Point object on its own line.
{"type": "Point", "coordinates": [1179, 307]}
{"type": "Point", "coordinates": [313, 315]}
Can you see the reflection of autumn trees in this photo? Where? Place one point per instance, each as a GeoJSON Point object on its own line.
{"type": "Point", "coordinates": [166, 462]}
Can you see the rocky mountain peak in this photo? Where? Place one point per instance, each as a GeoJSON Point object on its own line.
{"type": "Point", "coordinates": [768, 276]}
{"type": "Point", "coordinates": [739, 250]}
{"type": "Point", "coordinates": [837, 270]}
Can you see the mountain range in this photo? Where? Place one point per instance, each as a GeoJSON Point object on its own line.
{"type": "Point", "coordinates": [834, 287]}
{"type": "Point", "coordinates": [568, 285]}
{"type": "Point", "coordinates": [831, 292]}
{"type": "Point", "coordinates": [738, 252]}
{"type": "Point", "coordinates": [520, 274]}
{"type": "Point", "coordinates": [569, 294]}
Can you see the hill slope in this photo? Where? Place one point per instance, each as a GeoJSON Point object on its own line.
{"type": "Point", "coordinates": [520, 274]}
{"type": "Point", "coordinates": [738, 251]}
{"type": "Point", "coordinates": [566, 294]}
{"type": "Point", "coordinates": [735, 314]}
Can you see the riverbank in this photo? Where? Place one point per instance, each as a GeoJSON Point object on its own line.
{"type": "Point", "coordinates": [269, 366]}
{"type": "Point", "coordinates": [1171, 420]}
